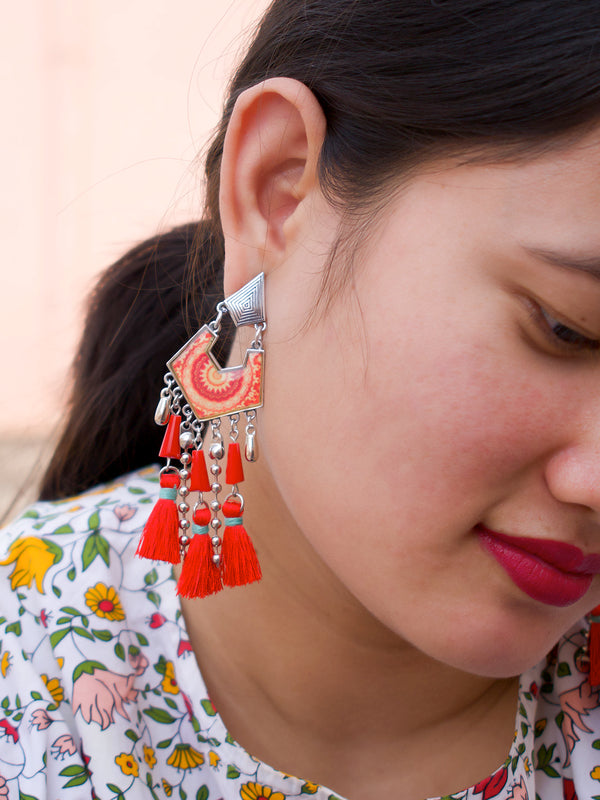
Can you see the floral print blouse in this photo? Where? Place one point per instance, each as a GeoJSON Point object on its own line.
{"type": "Point", "coordinates": [101, 696]}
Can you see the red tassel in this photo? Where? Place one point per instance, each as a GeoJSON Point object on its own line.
{"type": "Point", "coordinates": [240, 564]}
{"type": "Point", "coordinates": [199, 481]}
{"type": "Point", "coordinates": [170, 445]}
{"type": "Point", "coordinates": [594, 647]}
{"type": "Point", "coordinates": [200, 576]}
{"type": "Point", "coordinates": [160, 538]}
{"type": "Point", "coordinates": [234, 472]}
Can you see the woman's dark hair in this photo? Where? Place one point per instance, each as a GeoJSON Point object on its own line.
{"type": "Point", "coordinates": [401, 82]}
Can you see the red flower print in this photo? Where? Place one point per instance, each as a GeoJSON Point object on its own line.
{"type": "Point", "coordinates": [44, 617]}
{"type": "Point", "coordinates": [156, 620]}
{"type": "Point", "coordinates": [188, 706]}
{"type": "Point", "coordinates": [534, 689]}
{"type": "Point", "coordinates": [569, 792]}
{"type": "Point", "coordinates": [9, 730]}
{"type": "Point", "coordinates": [492, 786]}
{"type": "Point", "coordinates": [184, 647]}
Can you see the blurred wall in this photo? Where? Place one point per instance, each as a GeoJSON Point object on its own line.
{"type": "Point", "coordinates": [105, 104]}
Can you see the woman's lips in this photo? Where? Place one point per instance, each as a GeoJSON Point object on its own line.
{"type": "Point", "coordinates": [554, 573]}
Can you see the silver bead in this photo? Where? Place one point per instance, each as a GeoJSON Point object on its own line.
{"type": "Point", "coordinates": [215, 505]}
{"type": "Point", "coordinates": [184, 491]}
{"type": "Point", "coordinates": [215, 523]}
{"type": "Point", "coordinates": [186, 440]}
{"type": "Point", "coordinates": [215, 469]}
{"type": "Point", "coordinates": [251, 449]}
{"type": "Point", "coordinates": [215, 541]}
{"type": "Point", "coordinates": [184, 508]}
{"type": "Point", "coordinates": [216, 559]}
{"type": "Point", "coordinates": [216, 488]}
{"type": "Point", "coordinates": [184, 540]}
{"type": "Point", "coordinates": [184, 524]}
{"type": "Point", "coordinates": [184, 474]}
{"type": "Point", "coordinates": [217, 450]}
{"type": "Point", "coordinates": [162, 413]}
{"type": "Point", "coordinates": [185, 458]}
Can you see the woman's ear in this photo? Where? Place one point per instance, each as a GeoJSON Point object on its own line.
{"type": "Point", "coordinates": [269, 167]}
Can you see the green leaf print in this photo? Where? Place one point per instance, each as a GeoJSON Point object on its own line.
{"type": "Point", "coordinates": [131, 734]}
{"type": "Point", "coordinates": [151, 577]}
{"type": "Point", "coordinates": [63, 529]}
{"type": "Point", "coordinates": [563, 669]}
{"type": "Point", "coordinates": [58, 636]}
{"type": "Point", "coordinates": [135, 490]}
{"type": "Point", "coordinates": [71, 574]}
{"type": "Point", "coordinates": [104, 636]}
{"type": "Point", "coordinates": [596, 744]}
{"type": "Point", "coordinates": [23, 796]}
{"type": "Point", "coordinates": [71, 611]}
{"type": "Point", "coordinates": [57, 591]}
{"type": "Point", "coordinates": [142, 639]}
{"type": "Point", "coordinates": [95, 545]}
{"type": "Point", "coordinates": [120, 651]}
{"type": "Point", "coordinates": [202, 793]}
{"type": "Point", "coordinates": [159, 715]}
{"type": "Point", "coordinates": [88, 667]}
{"type": "Point", "coordinates": [14, 627]}
{"type": "Point", "coordinates": [154, 598]}
{"type": "Point", "coordinates": [94, 522]}
{"type": "Point", "coordinates": [161, 665]}
{"type": "Point", "coordinates": [232, 772]}
{"type": "Point", "coordinates": [182, 794]}
{"type": "Point", "coordinates": [208, 707]}
{"type": "Point", "coordinates": [31, 514]}
{"type": "Point", "coordinates": [164, 744]}
{"type": "Point", "coordinates": [82, 632]}
{"type": "Point", "coordinates": [545, 756]}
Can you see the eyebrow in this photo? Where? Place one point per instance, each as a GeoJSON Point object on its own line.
{"type": "Point", "coordinates": [588, 264]}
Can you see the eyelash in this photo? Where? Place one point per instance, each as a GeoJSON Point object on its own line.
{"type": "Point", "coordinates": [561, 336]}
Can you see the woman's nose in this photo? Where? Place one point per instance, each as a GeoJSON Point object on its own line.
{"type": "Point", "coordinates": [573, 474]}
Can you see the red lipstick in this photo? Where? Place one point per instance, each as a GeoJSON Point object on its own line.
{"type": "Point", "coordinates": [551, 572]}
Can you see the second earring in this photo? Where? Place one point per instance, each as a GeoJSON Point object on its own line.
{"type": "Point", "coordinates": [187, 520]}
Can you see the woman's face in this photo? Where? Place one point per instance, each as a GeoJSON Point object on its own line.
{"type": "Point", "coordinates": [450, 394]}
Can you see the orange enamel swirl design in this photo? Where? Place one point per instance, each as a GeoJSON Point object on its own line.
{"type": "Point", "coordinates": [212, 391]}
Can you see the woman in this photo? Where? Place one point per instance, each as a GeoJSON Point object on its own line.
{"type": "Point", "coordinates": [418, 182]}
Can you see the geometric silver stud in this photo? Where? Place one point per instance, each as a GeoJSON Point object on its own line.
{"type": "Point", "coordinates": [247, 305]}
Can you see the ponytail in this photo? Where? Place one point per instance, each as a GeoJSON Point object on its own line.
{"type": "Point", "coordinates": [141, 312]}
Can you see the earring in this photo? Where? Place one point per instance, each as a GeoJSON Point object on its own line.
{"type": "Point", "coordinates": [198, 392]}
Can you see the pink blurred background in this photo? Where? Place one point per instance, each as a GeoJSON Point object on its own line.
{"type": "Point", "coordinates": [105, 107]}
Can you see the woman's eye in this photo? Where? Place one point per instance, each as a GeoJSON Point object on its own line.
{"type": "Point", "coordinates": [564, 337]}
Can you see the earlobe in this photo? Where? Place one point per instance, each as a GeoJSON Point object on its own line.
{"type": "Point", "coordinates": [269, 168]}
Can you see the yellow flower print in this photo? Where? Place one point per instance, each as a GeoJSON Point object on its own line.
{"type": "Point", "coordinates": [104, 602]}
{"type": "Point", "coordinates": [527, 765]}
{"type": "Point", "coordinates": [32, 558]}
{"type": "Point", "coordinates": [309, 788]}
{"type": "Point", "coordinates": [213, 759]}
{"type": "Point", "coordinates": [55, 689]}
{"type": "Point", "coordinates": [149, 756]}
{"type": "Point", "coordinates": [168, 683]}
{"type": "Point", "coordinates": [5, 663]}
{"type": "Point", "coordinates": [595, 773]}
{"type": "Point", "coordinates": [128, 764]}
{"type": "Point", "coordinates": [168, 789]}
{"type": "Point", "coordinates": [185, 757]}
{"type": "Point", "coordinates": [255, 791]}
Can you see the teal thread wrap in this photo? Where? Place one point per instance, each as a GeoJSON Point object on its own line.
{"type": "Point", "coordinates": [199, 528]}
